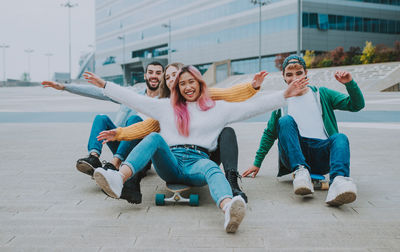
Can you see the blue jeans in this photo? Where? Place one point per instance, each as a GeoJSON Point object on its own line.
{"type": "Point", "coordinates": [319, 156]}
{"type": "Point", "coordinates": [119, 149]}
{"type": "Point", "coordinates": [180, 166]}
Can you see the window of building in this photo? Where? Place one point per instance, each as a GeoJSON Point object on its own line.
{"type": "Point", "coordinates": [313, 20]}
{"type": "Point", "coordinates": [358, 24]}
{"type": "Point", "coordinates": [383, 26]}
{"type": "Point", "coordinates": [109, 60]}
{"type": "Point", "coordinates": [340, 23]}
{"type": "Point", "coordinates": [391, 26]}
{"type": "Point", "coordinates": [332, 22]}
{"type": "Point", "coordinates": [374, 25]}
{"type": "Point", "coordinates": [305, 19]}
{"type": "Point", "coordinates": [349, 23]}
{"type": "Point", "coordinates": [323, 22]}
{"type": "Point", "coordinates": [398, 27]}
{"type": "Point", "coordinates": [151, 52]}
{"type": "Point", "coordinates": [367, 25]}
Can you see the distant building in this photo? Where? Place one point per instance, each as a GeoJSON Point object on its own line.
{"type": "Point", "coordinates": [131, 33]}
{"type": "Point", "coordinates": [86, 64]}
{"type": "Point", "coordinates": [61, 77]}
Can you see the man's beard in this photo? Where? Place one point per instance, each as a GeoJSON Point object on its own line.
{"type": "Point", "coordinates": [150, 87]}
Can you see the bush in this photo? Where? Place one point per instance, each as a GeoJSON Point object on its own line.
{"type": "Point", "coordinates": [279, 60]}
{"type": "Point", "coordinates": [309, 58]}
{"type": "Point", "coordinates": [338, 56]}
{"type": "Point", "coordinates": [326, 63]}
{"type": "Point", "coordinates": [368, 53]}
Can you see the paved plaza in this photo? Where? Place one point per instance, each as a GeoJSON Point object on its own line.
{"type": "Point", "coordinates": [47, 205]}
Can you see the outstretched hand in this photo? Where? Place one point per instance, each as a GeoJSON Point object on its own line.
{"type": "Point", "coordinates": [107, 136]}
{"type": "Point", "coordinates": [53, 84]}
{"type": "Point", "coordinates": [251, 170]}
{"type": "Point", "coordinates": [297, 87]}
{"type": "Point", "coordinates": [258, 79]}
{"type": "Point", "coordinates": [94, 79]}
{"type": "Point", "coordinates": [343, 76]}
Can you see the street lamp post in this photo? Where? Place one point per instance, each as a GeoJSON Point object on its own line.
{"type": "Point", "coordinates": [260, 4]}
{"type": "Point", "coordinates": [48, 63]}
{"type": "Point", "coordinates": [169, 39]}
{"type": "Point", "coordinates": [69, 5]}
{"type": "Point", "coordinates": [122, 38]}
{"type": "Point", "coordinates": [29, 51]}
{"type": "Point", "coordinates": [93, 61]}
{"type": "Point", "coordinates": [299, 26]}
{"type": "Point", "coordinates": [4, 46]}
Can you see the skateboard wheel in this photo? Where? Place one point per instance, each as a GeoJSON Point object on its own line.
{"type": "Point", "coordinates": [194, 200]}
{"type": "Point", "coordinates": [160, 199]}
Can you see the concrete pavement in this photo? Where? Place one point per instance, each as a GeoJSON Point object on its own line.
{"type": "Point", "coordinates": [47, 205]}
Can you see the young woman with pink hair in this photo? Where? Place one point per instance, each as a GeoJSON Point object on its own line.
{"type": "Point", "coordinates": [190, 123]}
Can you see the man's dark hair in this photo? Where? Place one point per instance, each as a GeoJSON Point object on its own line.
{"type": "Point", "coordinates": [155, 63]}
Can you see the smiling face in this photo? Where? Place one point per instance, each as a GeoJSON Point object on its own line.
{"type": "Point", "coordinates": [153, 76]}
{"type": "Point", "coordinates": [189, 87]}
{"type": "Point", "coordinates": [170, 76]}
{"type": "Point", "coordinates": [293, 72]}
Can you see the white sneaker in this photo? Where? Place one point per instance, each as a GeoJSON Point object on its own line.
{"type": "Point", "coordinates": [110, 181]}
{"type": "Point", "coordinates": [234, 214]}
{"type": "Point", "coordinates": [342, 191]}
{"type": "Point", "coordinates": [302, 184]}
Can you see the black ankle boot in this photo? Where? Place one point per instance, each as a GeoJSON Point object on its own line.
{"type": "Point", "coordinates": [232, 177]}
{"type": "Point", "coordinates": [131, 190]}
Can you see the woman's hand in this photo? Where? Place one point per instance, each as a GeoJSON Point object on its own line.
{"type": "Point", "coordinates": [107, 136]}
{"type": "Point", "coordinates": [297, 87]}
{"type": "Point", "coordinates": [252, 169]}
{"type": "Point", "coordinates": [53, 84]}
{"type": "Point", "coordinates": [258, 79]}
{"type": "Point", "coordinates": [94, 79]}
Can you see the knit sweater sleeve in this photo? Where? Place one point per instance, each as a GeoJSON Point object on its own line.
{"type": "Point", "coordinates": [260, 104]}
{"type": "Point", "coordinates": [88, 91]}
{"type": "Point", "coordinates": [149, 106]}
{"type": "Point", "coordinates": [236, 93]}
{"type": "Point", "coordinates": [138, 130]}
{"type": "Point", "coordinates": [353, 102]}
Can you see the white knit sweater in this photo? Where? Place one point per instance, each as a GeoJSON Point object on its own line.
{"type": "Point", "coordinates": [205, 126]}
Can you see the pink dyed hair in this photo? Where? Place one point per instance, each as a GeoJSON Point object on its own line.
{"type": "Point", "coordinates": [178, 102]}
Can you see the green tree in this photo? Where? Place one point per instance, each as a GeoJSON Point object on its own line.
{"type": "Point", "coordinates": [368, 53]}
{"type": "Point", "coordinates": [309, 58]}
{"type": "Point", "coordinates": [25, 77]}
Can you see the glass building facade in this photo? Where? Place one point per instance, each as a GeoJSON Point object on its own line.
{"type": "Point", "coordinates": [207, 31]}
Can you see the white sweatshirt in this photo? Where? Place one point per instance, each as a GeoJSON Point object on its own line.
{"type": "Point", "coordinates": [205, 126]}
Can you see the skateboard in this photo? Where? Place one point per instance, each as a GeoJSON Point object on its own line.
{"type": "Point", "coordinates": [320, 182]}
{"type": "Point", "coordinates": [176, 189]}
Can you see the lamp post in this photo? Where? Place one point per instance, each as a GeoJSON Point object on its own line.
{"type": "Point", "coordinates": [299, 26]}
{"type": "Point", "coordinates": [169, 39]}
{"type": "Point", "coordinates": [122, 38]}
{"type": "Point", "coordinates": [260, 4]}
{"type": "Point", "coordinates": [29, 51]}
{"type": "Point", "coordinates": [69, 5]}
{"type": "Point", "coordinates": [4, 46]}
{"type": "Point", "coordinates": [48, 63]}
{"type": "Point", "coordinates": [93, 48]}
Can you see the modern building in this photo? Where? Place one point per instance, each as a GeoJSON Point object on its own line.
{"type": "Point", "coordinates": [223, 36]}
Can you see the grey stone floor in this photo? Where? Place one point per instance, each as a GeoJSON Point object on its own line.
{"type": "Point", "coordinates": [47, 205]}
